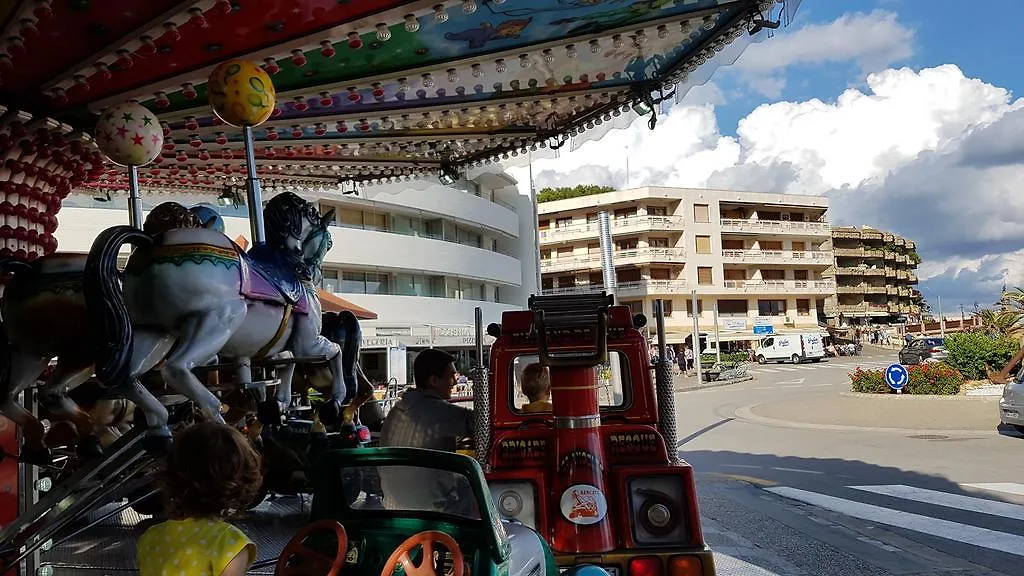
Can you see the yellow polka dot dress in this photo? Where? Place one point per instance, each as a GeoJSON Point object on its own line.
{"type": "Point", "coordinates": [191, 547]}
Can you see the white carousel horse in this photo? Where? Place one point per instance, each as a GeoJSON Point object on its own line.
{"type": "Point", "coordinates": [44, 317]}
{"type": "Point", "coordinates": [191, 294]}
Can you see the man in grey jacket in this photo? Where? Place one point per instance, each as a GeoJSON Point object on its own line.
{"type": "Point", "coordinates": [424, 418]}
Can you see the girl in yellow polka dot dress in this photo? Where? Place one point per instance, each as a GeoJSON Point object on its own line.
{"type": "Point", "coordinates": [212, 471]}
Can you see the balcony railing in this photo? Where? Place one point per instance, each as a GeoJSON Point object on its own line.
{"type": "Point", "coordinates": [780, 286]}
{"type": "Point", "coordinates": [627, 289]}
{"type": "Point", "coordinates": [631, 256]}
{"type": "Point", "coordinates": [776, 226]}
{"type": "Point", "coordinates": [849, 252]}
{"type": "Point", "coordinates": [626, 225]}
{"type": "Point", "coordinates": [815, 257]}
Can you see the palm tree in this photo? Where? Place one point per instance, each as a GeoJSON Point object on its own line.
{"type": "Point", "coordinates": [1005, 322]}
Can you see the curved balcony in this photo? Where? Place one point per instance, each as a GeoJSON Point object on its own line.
{"type": "Point", "coordinates": [645, 255]}
{"type": "Point", "coordinates": [373, 250]}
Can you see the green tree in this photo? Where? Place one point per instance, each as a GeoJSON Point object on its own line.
{"type": "Point", "coordinates": [565, 192]}
{"type": "Point", "coordinates": [975, 353]}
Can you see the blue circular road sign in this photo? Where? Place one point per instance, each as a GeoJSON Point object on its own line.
{"type": "Point", "coordinates": [896, 376]}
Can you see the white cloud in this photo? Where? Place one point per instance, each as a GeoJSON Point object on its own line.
{"type": "Point", "coordinates": [931, 154]}
{"type": "Point", "coordinates": [873, 41]}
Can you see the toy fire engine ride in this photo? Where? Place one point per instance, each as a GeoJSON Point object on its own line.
{"type": "Point", "coordinates": [598, 476]}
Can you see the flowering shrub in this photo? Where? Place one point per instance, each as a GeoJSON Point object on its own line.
{"type": "Point", "coordinates": [924, 379]}
{"type": "Point", "coordinates": [974, 353]}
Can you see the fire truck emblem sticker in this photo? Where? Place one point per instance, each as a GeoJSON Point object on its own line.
{"type": "Point", "coordinates": [583, 504]}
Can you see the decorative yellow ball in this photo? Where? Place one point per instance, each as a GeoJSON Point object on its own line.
{"type": "Point", "coordinates": [129, 134]}
{"type": "Point", "coordinates": [241, 93]}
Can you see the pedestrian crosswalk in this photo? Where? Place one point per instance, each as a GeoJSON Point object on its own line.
{"type": "Point", "coordinates": [844, 364]}
{"type": "Point", "coordinates": [983, 515]}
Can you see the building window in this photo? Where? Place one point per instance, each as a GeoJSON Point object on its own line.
{"type": "Point", "coordinates": [799, 246]}
{"type": "Point", "coordinates": [545, 254]}
{"type": "Point", "coordinates": [732, 307]}
{"type": "Point", "coordinates": [689, 307]}
{"type": "Point", "coordinates": [732, 244]}
{"type": "Point", "coordinates": [330, 281]}
{"type": "Point", "coordinates": [667, 306]}
{"type": "Point", "coordinates": [547, 283]}
{"type": "Point", "coordinates": [800, 275]}
{"type": "Point", "coordinates": [566, 281]}
{"type": "Point", "coordinates": [543, 224]}
{"type": "Point", "coordinates": [657, 242]}
{"type": "Point", "coordinates": [628, 244]}
{"type": "Point", "coordinates": [592, 218]}
{"type": "Point", "coordinates": [703, 244]}
{"type": "Point", "coordinates": [770, 244]}
{"type": "Point", "coordinates": [773, 274]}
{"type": "Point", "coordinates": [701, 213]}
{"type": "Point", "coordinates": [704, 277]}
{"type": "Point", "coordinates": [635, 306]}
{"type": "Point", "coordinates": [735, 274]}
{"type": "Point", "coordinates": [628, 275]}
{"type": "Point", "coordinates": [596, 279]}
{"type": "Point", "coordinates": [565, 252]}
{"type": "Point", "coordinates": [625, 213]}
{"type": "Point", "coordinates": [771, 307]}
{"type": "Point", "coordinates": [593, 248]}
{"type": "Point", "coordinates": [803, 307]}
{"type": "Point", "coordinates": [660, 274]}
{"type": "Point", "coordinates": [563, 222]}
{"type": "Point", "coordinates": [656, 211]}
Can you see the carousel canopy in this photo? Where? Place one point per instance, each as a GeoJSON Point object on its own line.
{"type": "Point", "coordinates": [366, 90]}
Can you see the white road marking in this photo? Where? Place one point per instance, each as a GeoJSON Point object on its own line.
{"type": "Point", "coordinates": [794, 386]}
{"type": "Point", "coordinates": [981, 505]}
{"type": "Point", "coordinates": [797, 381]}
{"type": "Point", "coordinates": [788, 369]}
{"type": "Point", "coordinates": [981, 537]}
{"type": "Point", "coordinates": [767, 370]}
{"type": "Point", "coordinates": [1005, 487]}
{"type": "Point", "coordinates": [818, 385]}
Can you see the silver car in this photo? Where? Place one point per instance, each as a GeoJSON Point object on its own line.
{"type": "Point", "coordinates": [1011, 405]}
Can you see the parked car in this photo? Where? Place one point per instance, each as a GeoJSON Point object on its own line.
{"type": "Point", "coordinates": [1011, 405]}
{"type": "Point", "coordinates": [794, 347]}
{"type": "Point", "coordinates": [923, 351]}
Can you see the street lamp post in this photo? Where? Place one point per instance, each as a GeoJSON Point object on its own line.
{"type": "Point", "coordinates": [942, 319]}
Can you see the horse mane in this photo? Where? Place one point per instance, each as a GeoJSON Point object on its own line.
{"type": "Point", "coordinates": [283, 218]}
{"type": "Point", "coordinates": [168, 216]}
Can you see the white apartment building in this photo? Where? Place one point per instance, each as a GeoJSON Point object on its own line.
{"type": "Point", "coordinates": [420, 255]}
{"type": "Point", "coordinates": [760, 257]}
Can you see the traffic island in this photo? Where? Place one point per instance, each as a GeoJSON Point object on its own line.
{"type": "Point", "coordinates": [902, 413]}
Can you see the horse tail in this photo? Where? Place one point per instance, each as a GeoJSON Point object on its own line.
{"type": "Point", "coordinates": [12, 266]}
{"type": "Point", "coordinates": [109, 321]}
{"type": "Point", "coordinates": [350, 344]}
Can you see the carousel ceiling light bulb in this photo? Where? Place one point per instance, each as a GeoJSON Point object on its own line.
{"type": "Point", "coordinates": [662, 31]}
{"type": "Point", "coordinates": [469, 6]}
{"type": "Point", "coordinates": [641, 37]}
{"type": "Point", "coordinates": [384, 33]}
{"type": "Point", "coordinates": [440, 13]}
{"type": "Point", "coordinates": [403, 85]}
{"type": "Point", "coordinates": [617, 41]}
{"type": "Point", "coordinates": [478, 71]}
{"type": "Point", "coordinates": [548, 56]}
{"type": "Point", "coordinates": [595, 46]}
{"type": "Point", "coordinates": [708, 23]}
{"type": "Point", "coordinates": [524, 61]}
{"type": "Point", "coordinates": [686, 27]}
{"type": "Point", "coordinates": [499, 65]}
{"type": "Point", "coordinates": [570, 51]}
{"type": "Point", "coordinates": [327, 49]}
{"type": "Point", "coordinates": [453, 75]}
{"type": "Point", "coordinates": [428, 80]}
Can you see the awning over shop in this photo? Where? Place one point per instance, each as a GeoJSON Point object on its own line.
{"type": "Point", "coordinates": [328, 301]}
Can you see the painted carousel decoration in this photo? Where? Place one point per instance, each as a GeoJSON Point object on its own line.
{"type": "Point", "coordinates": [131, 136]}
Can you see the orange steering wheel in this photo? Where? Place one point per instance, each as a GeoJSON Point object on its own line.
{"type": "Point", "coordinates": [427, 539]}
{"type": "Point", "coordinates": [297, 559]}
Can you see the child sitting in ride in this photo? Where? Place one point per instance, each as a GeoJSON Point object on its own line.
{"type": "Point", "coordinates": [212, 471]}
{"type": "Point", "coordinates": [536, 385]}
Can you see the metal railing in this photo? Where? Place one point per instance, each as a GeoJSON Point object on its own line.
{"type": "Point", "coordinates": [628, 256]}
{"type": "Point", "coordinates": [619, 226]}
{"type": "Point", "coordinates": [633, 288]}
{"type": "Point", "coordinates": [776, 226]}
{"type": "Point", "coordinates": [822, 257]}
{"type": "Point", "coordinates": [777, 286]}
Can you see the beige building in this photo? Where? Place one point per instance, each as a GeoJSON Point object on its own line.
{"type": "Point", "coordinates": [761, 257]}
{"type": "Point", "coordinates": [874, 274]}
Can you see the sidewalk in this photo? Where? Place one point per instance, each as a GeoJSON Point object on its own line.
{"type": "Point", "coordinates": [880, 412]}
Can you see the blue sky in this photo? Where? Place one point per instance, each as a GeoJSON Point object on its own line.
{"type": "Point", "coordinates": [902, 112]}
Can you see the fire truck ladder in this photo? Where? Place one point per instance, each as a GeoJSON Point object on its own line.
{"type": "Point", "coordinates": [580, 315]}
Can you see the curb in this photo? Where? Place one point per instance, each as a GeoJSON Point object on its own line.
{"type": "Point", "coordinates": [746, 413]}
{"type": "Point", "coordinates": [924, 397]}
{"type": "Point", "coordinates": [716, 384]}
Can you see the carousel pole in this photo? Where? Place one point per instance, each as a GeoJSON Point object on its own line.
{"type": "Point", "coordinates": [242, 94]}
{"type": "Point", "coordinates": [254, 195]}
{"type": "Point", "coordinates": [134, 199]}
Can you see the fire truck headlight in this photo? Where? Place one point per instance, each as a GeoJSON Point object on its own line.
{"type": "Point", "coordinates": [657, 506]}
{"type": "Point", "coordinates": [516, 500]}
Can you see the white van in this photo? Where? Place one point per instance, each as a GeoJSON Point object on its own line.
{"type": "Point", "coordinates": [796, 348]}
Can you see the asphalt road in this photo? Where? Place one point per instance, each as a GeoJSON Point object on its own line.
{"type": "Point", "coordinates": [780, 500]}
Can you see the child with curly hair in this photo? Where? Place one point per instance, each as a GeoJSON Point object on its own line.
{"type": "Point", "coordinates": [212, 472]}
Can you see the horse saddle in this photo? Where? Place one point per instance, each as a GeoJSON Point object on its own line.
{"type": "Point", "coordinates": [267, 277]}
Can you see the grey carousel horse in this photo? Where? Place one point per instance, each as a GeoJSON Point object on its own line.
{"type": "Point", "coordinates": [44, 317]}
{"type": "Point", "coordinates": [189, 295]}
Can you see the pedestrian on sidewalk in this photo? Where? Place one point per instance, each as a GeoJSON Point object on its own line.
{"type": "Point", "coordinates": [688, 353]}
{"type": "Point", "coordinates": [681, 362]}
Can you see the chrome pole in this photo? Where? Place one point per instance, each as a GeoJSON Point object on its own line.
{"type": "Point", "coordinates": [134, 198]}
{"type": "Point", "coordinates": [253, 194]}
{"type": "Point", "coordinates": [604, 226]}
